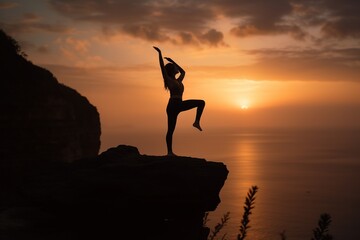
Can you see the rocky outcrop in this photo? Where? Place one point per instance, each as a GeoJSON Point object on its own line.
{"type": "Point", "coordinates": [120, 193]}
{"type": "Point", "coordinates": [41, 120]}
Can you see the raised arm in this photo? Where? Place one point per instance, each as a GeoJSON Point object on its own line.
{"type": "Point", "coordinates": [182, 71]}
{"type": "Point", "coordinates": [161, 61]}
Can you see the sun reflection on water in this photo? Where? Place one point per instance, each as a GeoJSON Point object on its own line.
{"type": "Point", "coordinates": [246, 161]}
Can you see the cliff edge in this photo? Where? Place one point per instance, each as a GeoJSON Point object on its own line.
{"type": "Point", "coordinates": [119, 193]}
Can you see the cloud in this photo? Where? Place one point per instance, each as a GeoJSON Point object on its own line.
{"type": "Point", "coordinates": [161, 20]}
{"type": "Point", "coordinates": [341, 64]}
{"type": "Point", "coordinates": [336, 19]}
{"type": "Point", "coordinates": [191, 21]}
{"type": "Point", "coordinates": [30, 17]}
{"type": "Point", "coordinates": [146, 31]}
{"type": "Point", "coordinates": [342, 28]}
{"type": "Point", "coordinates": [344, 19]}
{"type": "Point", "coordinates": [26, 27]}
{"type": "Point", "coordinates": [31, 22]}
{"type": "Point", "coordinates": [180, 22]}
{"type": "Point", "coordinates": [213, 37]}
{"type": "Point", "coordinates": [338, 65]}
{"type": "Point", "coordinates": [7, 5]}
{"type": "Point", "coordinates": [77, 45]}
{"type": "Point", "coordinates": [188, 38]}
{"type": "Point", "coordinates": [258, 17]}
{"type": "Point", "coordinates": [43, 49]}
{"type": "Point", "coordinates": [340, 56]}
{"type": "Point", "coordinates": [251, 30]}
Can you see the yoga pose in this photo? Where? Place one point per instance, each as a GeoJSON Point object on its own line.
{"type": "Point", "coordinates": [176, 104]}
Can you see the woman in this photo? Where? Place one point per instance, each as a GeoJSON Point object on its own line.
{"type": "Point", "coordinates": [176, 104]}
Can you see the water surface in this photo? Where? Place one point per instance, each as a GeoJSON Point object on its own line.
{"type": "Point", "coordinates": [300, 174]}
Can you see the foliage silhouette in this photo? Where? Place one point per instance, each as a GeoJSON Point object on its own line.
{"type": "Point", "coordinates": [249, 205]}
{"type": "Point", "coordinates": [10, 45]}
{"type": "Point", "coordinates": [219, 226]}
{"type": "Point", "coordinates": [320, 232]}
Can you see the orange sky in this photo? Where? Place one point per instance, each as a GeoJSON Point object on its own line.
{"type": "Point", "coordinates": [292, 63]}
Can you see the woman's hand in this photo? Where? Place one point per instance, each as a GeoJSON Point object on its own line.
{"type": "Point", "coordinates": [169, 59]}
{"type": "Point", "coordinates": [157, 49]}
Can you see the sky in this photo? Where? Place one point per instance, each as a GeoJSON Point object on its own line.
{"type": "Point", "coordinates": [259, 63]}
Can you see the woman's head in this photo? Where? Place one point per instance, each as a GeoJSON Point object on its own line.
{"type": "Point", "coordinates": [171, 69]}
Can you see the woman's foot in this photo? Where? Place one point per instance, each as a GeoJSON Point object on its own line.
{"type": "Point", "coordinates": [171, 154]}
{"type": "Point", "coordinates": [197, 125]}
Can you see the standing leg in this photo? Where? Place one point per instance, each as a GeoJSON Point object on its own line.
{"type": "Point", "coordinates": [199, 104]}
{"type": "Point", "coordinates": [172, 117]}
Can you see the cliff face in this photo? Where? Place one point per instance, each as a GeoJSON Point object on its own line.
{"type": "Point", "coordinates": [120, 193]}
{"type": "Point", "coordinates": [41, 120]}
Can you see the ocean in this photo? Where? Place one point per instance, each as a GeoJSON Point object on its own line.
{"type": "Point", "coordinates": [300, 173]}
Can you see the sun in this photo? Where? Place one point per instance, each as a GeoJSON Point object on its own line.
{"type": "Point", "coordinates": [243, 104]}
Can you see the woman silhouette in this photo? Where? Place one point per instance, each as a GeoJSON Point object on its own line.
{"type": "Point", "coordinates": [176, 104]}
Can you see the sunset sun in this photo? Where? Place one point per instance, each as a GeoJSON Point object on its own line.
{"type": "Point", "coordinates": [244, 104]}
{"type": "Point", "coordinates": [244, 107]}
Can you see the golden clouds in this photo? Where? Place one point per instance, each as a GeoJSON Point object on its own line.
{"type": "Point", "coordinates": [167, 20]}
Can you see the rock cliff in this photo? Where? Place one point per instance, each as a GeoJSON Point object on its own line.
{"type": "Point", "coordinates": [41, 120]}
{"type": "Point", "coordinates": [119, 193]}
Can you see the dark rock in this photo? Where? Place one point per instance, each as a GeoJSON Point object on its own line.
{"type": "Point", "coordinates": [41, 120]}
{"type": "Point", "coordinates": [122, 193]}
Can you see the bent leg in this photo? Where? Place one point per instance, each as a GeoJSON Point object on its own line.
{"type": "Point", "coordinates": [199, 104]}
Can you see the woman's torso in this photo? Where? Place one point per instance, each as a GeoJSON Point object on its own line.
{"type": "Point", "coordinates": [176, 88]}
